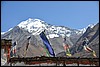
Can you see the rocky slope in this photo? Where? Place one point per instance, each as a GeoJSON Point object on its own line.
{"type": "Point", "coordinates": [93, 36]}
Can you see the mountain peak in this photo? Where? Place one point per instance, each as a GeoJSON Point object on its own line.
{"type": "Point", "coordinates": [32, 25]}
{"type": "Point", "coordinates": [30, 20]}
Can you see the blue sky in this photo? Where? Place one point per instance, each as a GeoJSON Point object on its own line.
{"type": "Point", "coordinates": [73, 14]}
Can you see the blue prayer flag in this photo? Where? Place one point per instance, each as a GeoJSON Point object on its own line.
{"type": "Point", "coordinates": [46, 43]}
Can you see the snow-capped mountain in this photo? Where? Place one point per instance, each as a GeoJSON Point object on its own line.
{"type": "Point", "coordinates": [33, 27]}
{"type": "Point", "coordinates": [36, 26]}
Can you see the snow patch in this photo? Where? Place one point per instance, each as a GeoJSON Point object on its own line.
{"type": "Point", "coordinates": [3, 33]}
{"type": "Point", "coordinates": [68, 35]}
{"type": "Point", "coordinates": [52, 35]}
{"type": "Point", "coordinates": [82, 30]}
{"type": "Point", "coordinates": [10, 29]}
{"type": "Point", "coordinates": [91, 25]}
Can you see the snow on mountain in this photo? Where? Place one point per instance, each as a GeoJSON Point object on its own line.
{"type": "Point", "coordinates": [36, 26]}
{"type": "Point", "coordinates": [10, 29]}
{"type": "Point", "coordinates": [84, 29]}
{"type": "Point", "coordinates": [2, 33]}
{"type": "Point", "coordinates": [52, 36]}
{"type": "Point", "coordinates": [32, 25]}
{"type": "Point", "coordinates": [6, 31]}
{"type": "Point", "coordinates": [91, 25]}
